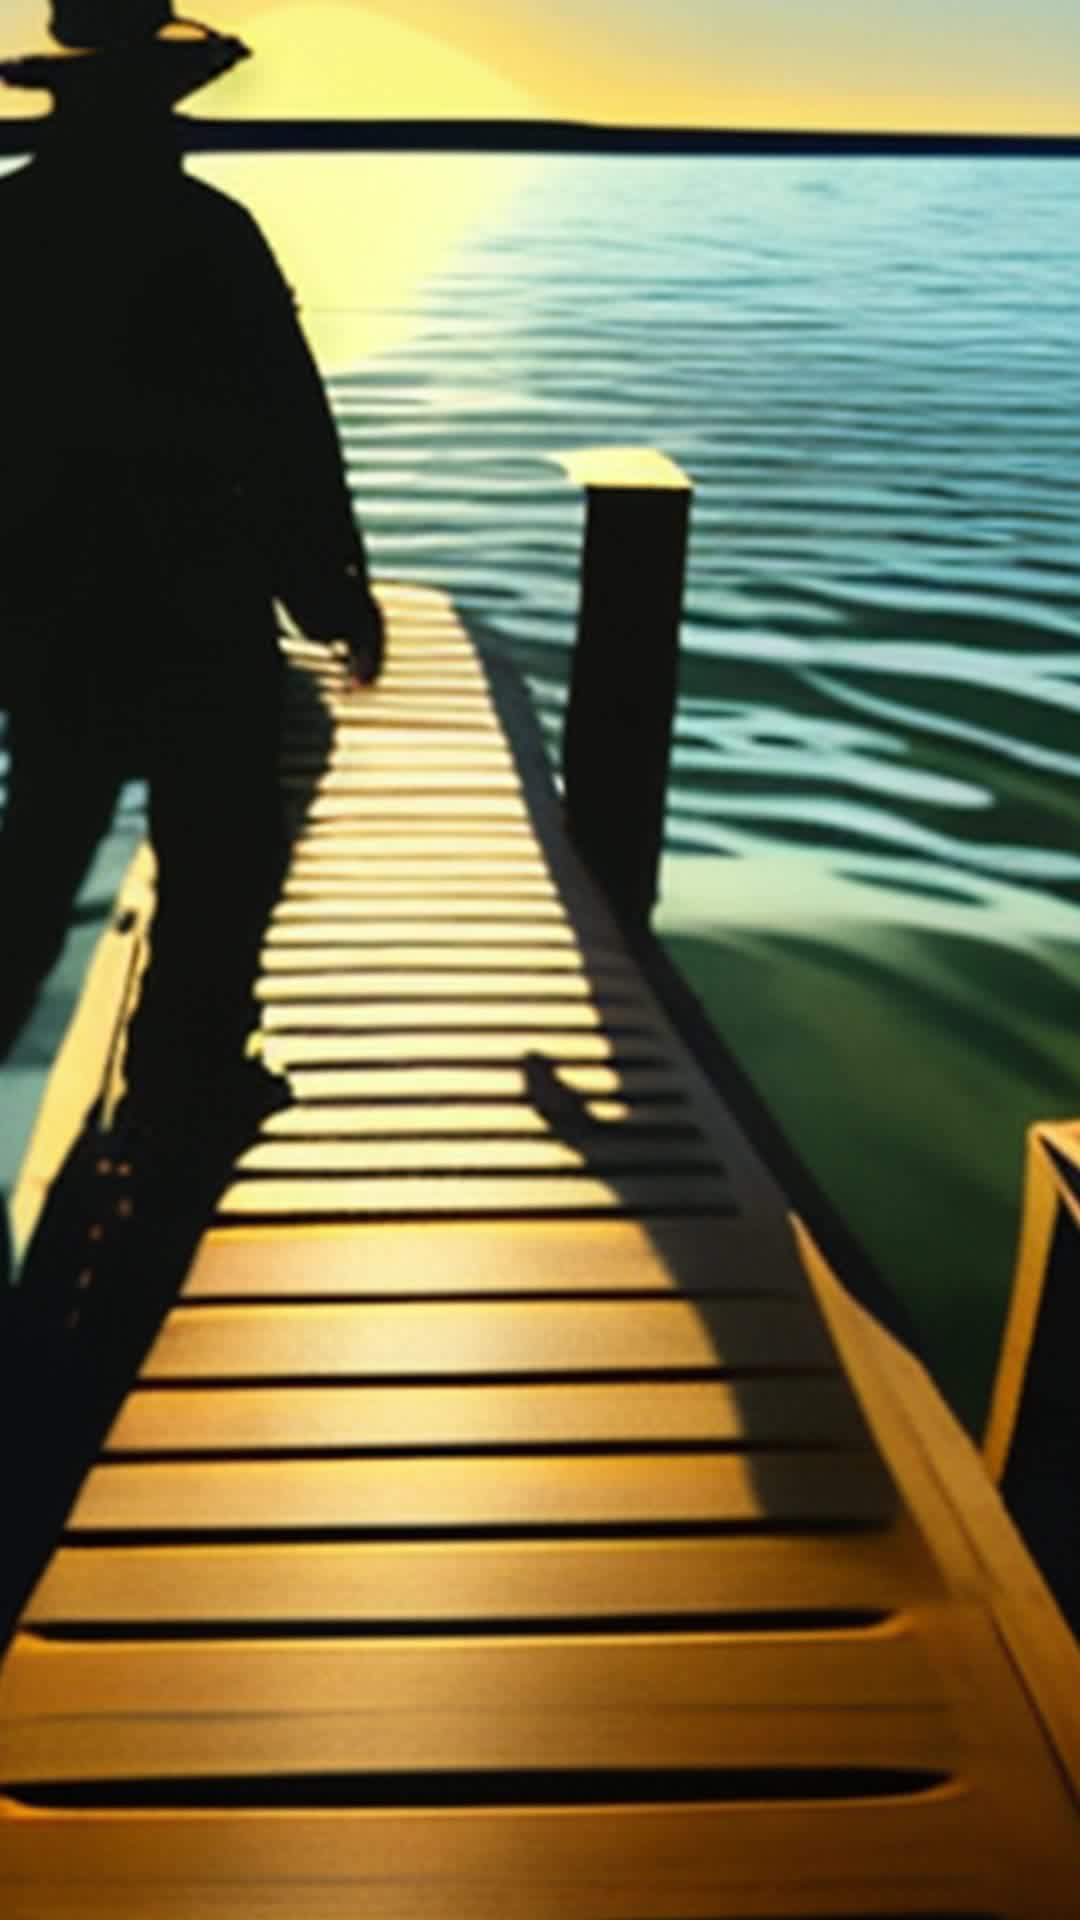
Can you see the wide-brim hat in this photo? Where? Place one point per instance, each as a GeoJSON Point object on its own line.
{"type": "Point", "coordinates": [137, 48]}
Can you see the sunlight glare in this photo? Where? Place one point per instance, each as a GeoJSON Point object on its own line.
{"type": "Point", "coordinates": [327, 59]}
{"type": "Point", "coordinates": [357, 235]}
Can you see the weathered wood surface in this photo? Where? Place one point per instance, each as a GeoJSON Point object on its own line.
{"type": "Point", "coordinates": [493, 1528]}
{"type": "Point", "coordinates": [1033, 1431]}
{"type": "Point", "coordinates": [444, 1583]}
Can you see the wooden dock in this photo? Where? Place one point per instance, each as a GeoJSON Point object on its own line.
{"type": "Point", "coordinates": [513, 1519]}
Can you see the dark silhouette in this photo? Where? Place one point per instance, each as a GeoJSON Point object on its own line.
{"type": "Point", "coordinates": [170, 467]}
{"type": "Point", "coordinates": [108, 1254]}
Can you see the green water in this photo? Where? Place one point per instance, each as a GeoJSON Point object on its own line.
{"type": "Point", "coordinates": [913, 1124]}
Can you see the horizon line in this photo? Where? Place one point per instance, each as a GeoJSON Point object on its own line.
{"type": "Point", "coordinates": [304, 134]}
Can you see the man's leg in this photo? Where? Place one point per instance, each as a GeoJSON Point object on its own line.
{"type": "Point", "coordinates": [63, 783]}
{"type": "Point", "coordinates": [217, 828]}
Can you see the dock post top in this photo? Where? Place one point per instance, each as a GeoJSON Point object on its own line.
{"type": "Point", "coordinates": [636, 468]}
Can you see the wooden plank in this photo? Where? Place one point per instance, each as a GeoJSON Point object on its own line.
{"type": "Point", "coordinates": [340, 838]}
{"type": "Point", "coordinates": [509, 831]}
{"type": "Point", "coordinates": [374, 884]}
{"type": "Point", "coordinates": [714, 1862]}
{"type": "Point", "coordinates": [432, 832]}
{"type": "Point", "coordinates": [418, 656]}
{"type": "Point", "coordinates": [450, 1017]}
{"type": "Point", "coordinates": [532, 927]}
{"type": "Point", "coordinates": [424, 772]}
{"type": "Point", "coordinates": [466, 1079]}
{"type": "Point", "coordinates": [118, 1711]}
{"type": "Point", "coordinates": [353, 979]}
{"type": "Point", "coordinates": [440, 865]}
{"type": "Point", "coordinates": [351, 729]}
{"type": "Point", "coordinates": [507, 1049]}
{"type": "Point", "coordinates": [809, 1409]}
{"type": "Point", "coordinates": [331, 751]}
{"type": "Point", "coordinates": [397, 742]}
{"type": "Point", "coordinates": [411, 853]}
{"type": "Point", "coordinates": [510, 1337]}
{"type": "Point", "coordinates": [438, 960]}
{"type": "Point", "coordinates": [367, 778]}
{"type": "Point", "coordinates": [449, 1197]}
{"type": "Point", "coordinates": [366, 711]}
{"type": "Point", "coordinates": [445, 689]}
{"type": "Point", "coordinates": [456, 713]}
{"type": "Point", "coordinates": [409, 660]}
{"type": "Point", "coordinates": [480, 1258]}
{"type": "Point", "coordinates": [1045, 1194]}
{"type": "Point", "coordinates": [404, 665]}
{"type": "Point", "coordinates": [419, 699]}
{"type": "Point", "coordinates": [319, 745]}
{"type": "Point", "coordinates": [444, 952]}
{"type": "Point", "coordinates": [434, 1493]}
{"type": "Point", "coordinates": [631, 1118]}
{"type": "Point", "coordinates": [432, 919]}
{"type": "Point", "coordinates": [377, 1120]}
{"type": "Point", "coordinates": [455, 946]}
{"type": "Point", "coordinates": [409, 653]}
{"type": "Point", "coordinates": [402, 678]}
{"type": "Point", "coordinates": [475, 1580]}
{"type": "Point", "coordinates": [388, 749]}
{"type": "Point", "coordinates": [402, 744]}
{"type": "Point", "coordinates": [605, 1151]}
{"type": "Point", "coordinates": [305, 765]}
{"type": "Point", "coordinates": [480, 808]}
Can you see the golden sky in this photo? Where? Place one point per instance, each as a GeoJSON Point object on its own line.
{"type": "Point", "coordinates": [959, 65]}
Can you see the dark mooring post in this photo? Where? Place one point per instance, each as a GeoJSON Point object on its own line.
{"type": "Point", "coordinates": [617, 737]}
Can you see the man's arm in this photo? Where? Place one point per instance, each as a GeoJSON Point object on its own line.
{"type": "Point", "coordinates": [295, 480]}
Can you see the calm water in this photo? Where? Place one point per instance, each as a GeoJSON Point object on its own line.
{"type": "Point", "coordinates": [869, 370]}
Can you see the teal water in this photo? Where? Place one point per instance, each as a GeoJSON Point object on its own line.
{"type": "Point", "coordinates": [869, 370]}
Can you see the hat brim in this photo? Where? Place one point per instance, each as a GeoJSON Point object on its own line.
{"type": "Point", "coordinates": [164, 68]}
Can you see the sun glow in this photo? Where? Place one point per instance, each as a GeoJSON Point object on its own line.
{"type": "Point", "coordinates": [357, 234]}
{"type": "Point", "coordinates": [328, 59]}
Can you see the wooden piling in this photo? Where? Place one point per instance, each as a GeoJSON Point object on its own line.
{"type": "Point", "coordinates": [617, 738]}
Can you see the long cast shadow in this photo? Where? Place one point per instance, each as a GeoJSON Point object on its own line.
{"type": "Point", "coordinates": [106, 1261]}
{"type": "Point", "coordinates": [717, 1254]}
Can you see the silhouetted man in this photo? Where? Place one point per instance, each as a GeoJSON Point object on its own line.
{"type": "Point", "coordinates": [169, 466]}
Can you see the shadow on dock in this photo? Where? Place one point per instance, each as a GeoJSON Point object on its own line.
{"type": "Point", "coordinates": [106, 1261]}
{"type": "Point", "coordinates": [726, 1248]}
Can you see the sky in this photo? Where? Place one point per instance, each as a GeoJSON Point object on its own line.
{"type": "Point", "coordinates": [994, 66]}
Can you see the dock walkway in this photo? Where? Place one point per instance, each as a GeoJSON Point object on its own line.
{"type": "Point", "coordinates": [512, 1519]}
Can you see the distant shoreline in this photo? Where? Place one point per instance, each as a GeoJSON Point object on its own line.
{"type": "Point", "coordinates": [201, 135]}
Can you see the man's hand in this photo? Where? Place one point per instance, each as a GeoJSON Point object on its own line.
{"type": "Point", "coordinates": [365, 644]}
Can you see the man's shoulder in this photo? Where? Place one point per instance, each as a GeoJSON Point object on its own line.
{"type": "Point", "coordinates": [212, 207]}
{"type": "Point", "coordinates": [219, 224]}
